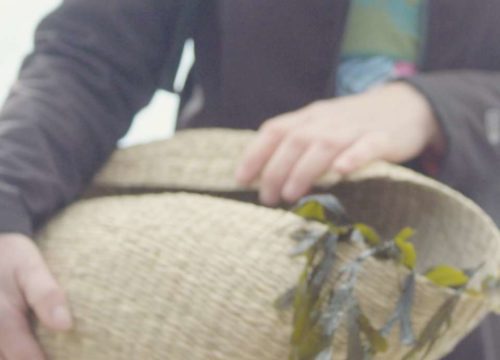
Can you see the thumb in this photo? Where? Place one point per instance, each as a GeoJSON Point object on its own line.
{"type": "Point", "coordinates": [42, 293]}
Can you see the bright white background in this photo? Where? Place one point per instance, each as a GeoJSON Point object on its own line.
{"type": "Point", "coordinates": [18, 19]}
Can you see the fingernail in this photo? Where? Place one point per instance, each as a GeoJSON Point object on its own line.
{"type": "Point", "coordinates": [62, 317]}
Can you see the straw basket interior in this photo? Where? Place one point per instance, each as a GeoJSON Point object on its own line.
{"type": "Point", "coordinates": [448, 230]}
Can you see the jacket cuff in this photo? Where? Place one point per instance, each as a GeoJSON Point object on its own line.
{"type": "Point", "coordinates": [458, 118]}
{"type": "Point", "coordinates": [13, 215]}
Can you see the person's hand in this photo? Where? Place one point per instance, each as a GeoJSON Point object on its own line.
{"type": "Point", "coordinates": [26, 284]}
{"type": "Point", "coordinates": [393, 122]}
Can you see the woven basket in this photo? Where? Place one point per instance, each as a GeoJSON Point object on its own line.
{"type": "Point", "coordinates": [187, 276]}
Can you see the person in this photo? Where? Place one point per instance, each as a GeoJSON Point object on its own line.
{"type": "Point", "coordinates": [332, 85]}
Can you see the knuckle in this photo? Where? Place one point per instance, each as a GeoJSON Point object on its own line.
{"type": "Point", "coordinates": [317, 110]}
{"type": "Point", "coordinates": [328, 143]}
{"type": "Point", "coordinates": [315, 106]}
{"type": "Point", "coordinates": [272, 128]}
{"type": "Point", "coordinates": [299, 139]}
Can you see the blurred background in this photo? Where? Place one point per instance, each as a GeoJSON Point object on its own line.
{"type": "Point", "coordinates": [18, 19]}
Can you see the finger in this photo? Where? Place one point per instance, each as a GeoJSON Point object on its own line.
{"type": "Point", "coordinates": [257, 154]}
{"type": "Point", "coordinates": [43, 294]}
{"type": "Point", "coordinates": [262, 148]}
{"type": "Point", "coordinates": [366, 149]}
{"type": "Point", "coordinates": [279, 167]}
{"type": "Point", "coordinates": [314, 163]}
{"type": "Point", "coordinates": [16, 339]}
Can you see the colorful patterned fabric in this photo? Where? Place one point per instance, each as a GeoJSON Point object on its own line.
{"type": "Point", "coordinates": [381, 43]}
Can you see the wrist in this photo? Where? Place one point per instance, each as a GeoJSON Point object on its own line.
{"type": "Point", "coordinates": [416, 105]}
{"type": "Point", "coordinates": [423, 111]}
{"type": "Point", "coordinates": [434, 145]}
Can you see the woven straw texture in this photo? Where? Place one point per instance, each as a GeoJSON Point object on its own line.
{"type": "Point", "coordinates": [195, 160]}
{"type": "Point", "coordinates": [185, 276]}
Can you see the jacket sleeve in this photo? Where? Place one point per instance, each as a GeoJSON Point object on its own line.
{"type": "Point", "coordinates": [94, 65]}
{"type": "Point", "coordinates": [467, 105]}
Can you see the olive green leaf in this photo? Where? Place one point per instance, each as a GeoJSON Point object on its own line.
{"type": "Point", "coordinates": [308, 338]}
{"type": "Point", "coordinates": [408, 255]}
{"type": "Point", "coordinates": [313, 344]}
{"type": "Point", "coordinates": [311, 210]}
{"type": "Point", "coordinates": [371, 237]}
{"type": "Point", "coordinates": [447, 276]}
{"type": "Point", "coordinates": [440, 322]}
{"type": "Point", "coordinates": [321, 207]}
{"type": "Point", "coordinates": [302, 305]}
{"type": "Point", "coordinates": [318, 312]}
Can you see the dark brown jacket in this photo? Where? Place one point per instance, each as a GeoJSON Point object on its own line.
{"type": "Point", "coordinates": [97, 62]}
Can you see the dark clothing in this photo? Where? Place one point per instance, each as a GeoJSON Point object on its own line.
{"type": "Point", "coordinates": [96, 63]}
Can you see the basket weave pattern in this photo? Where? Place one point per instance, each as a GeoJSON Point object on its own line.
{"type": "Point", "coordinates": [185, 276]}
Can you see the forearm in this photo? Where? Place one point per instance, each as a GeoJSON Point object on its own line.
{"type": "Point", "coordinates": [94, 65]}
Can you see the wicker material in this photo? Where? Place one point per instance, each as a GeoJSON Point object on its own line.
{"type": "Point", "coordinates": [192, 160]}
{"type": "Point", "coordinates": [185, 276]}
